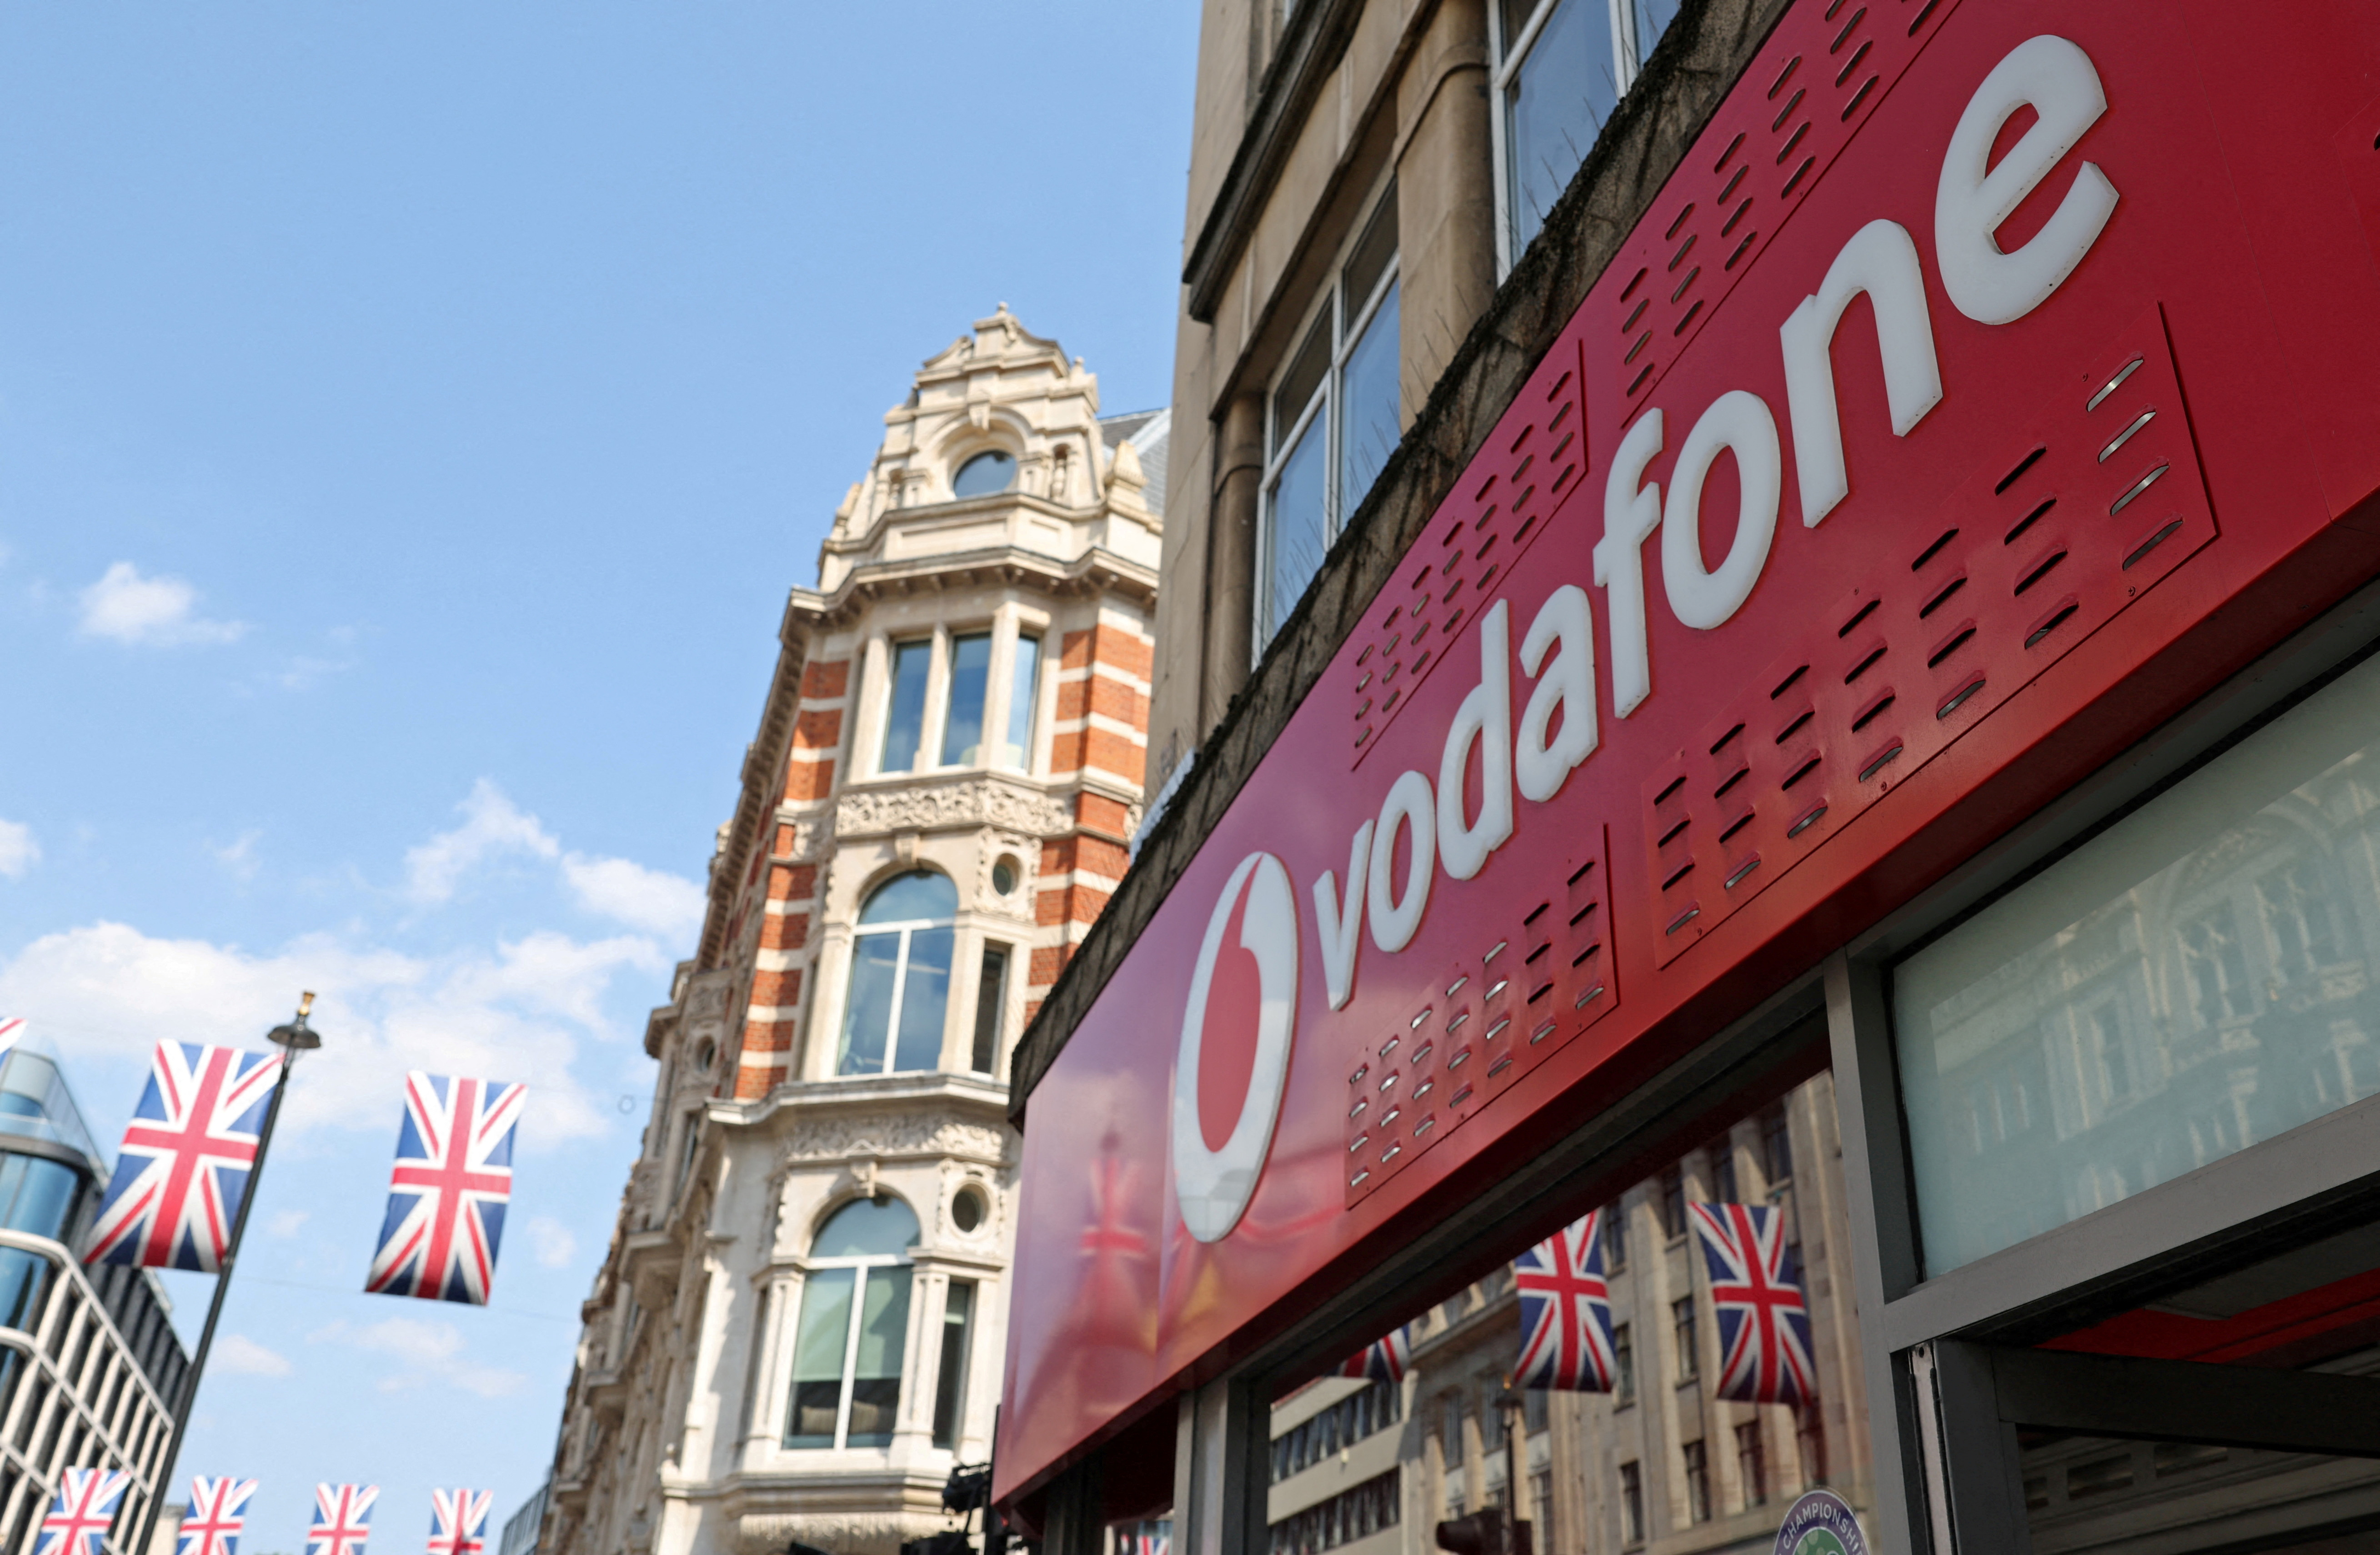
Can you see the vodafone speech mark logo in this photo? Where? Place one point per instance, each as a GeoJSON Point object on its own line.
{"type": "Point", "coordinates": [1234, 1062]}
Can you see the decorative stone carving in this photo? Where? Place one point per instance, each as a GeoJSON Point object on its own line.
{"type": "Point", "coordinates": [883, 1136]}
{"type": "Point", "coordinates": [988, 801]}
{"type": "Point", "coordinates": [847, 1533]}
{"type": "Point", "coordinates": [1017, 904]}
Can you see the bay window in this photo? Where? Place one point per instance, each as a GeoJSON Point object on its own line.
{"type": "Point", "coordinates": [969, 716]}
{"type": "Point", "coordinates": [1333, 418]}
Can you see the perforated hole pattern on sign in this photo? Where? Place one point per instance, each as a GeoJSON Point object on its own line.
{"type": "Point", "coordinates": [1539, 978]}
{"type": "Point", "coordinates": [1503, 502]}
{"type": "Point", "coordinates": [2034, 552]}
{"type": "Point", "coordinates": [1718, 211]}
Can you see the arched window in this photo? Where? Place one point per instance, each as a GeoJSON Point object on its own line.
{"type": "Point", "coordinates": [900, 976]}
{"type": "Point", "coordinates": [986, 473]}
{"type": "Point", "coordinates": [854, 1327]}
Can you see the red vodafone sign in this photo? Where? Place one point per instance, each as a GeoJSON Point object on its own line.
{"type": "Point", "coordinates": [1988, 381]}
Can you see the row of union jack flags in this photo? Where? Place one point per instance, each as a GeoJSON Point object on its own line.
{"type": "Point", "coordinates": [191, 1147]}
{"type": "Point", "coordinates": [88, 1500]}
{"type": "Point", "coordinates": [1566, 1341]}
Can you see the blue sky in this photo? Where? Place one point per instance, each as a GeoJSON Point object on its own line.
{"type": "Point", "coordinates": [410, 418]}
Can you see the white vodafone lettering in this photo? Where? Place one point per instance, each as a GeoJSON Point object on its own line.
{"type": "Point", "coordinates": [1880, 259]}
{"type": "Point", "coordinates": [1738, 422]}
{"type": "Point", "coordinates": [1559, 726]}
{"type": "Point", "coordinates": [2059, 81]}
{"type": "Point", "coordinates": [1541, 763]}
{"type": "Point", "coordinates": [1213, 1186]}
{"type": "Point", "coordinates": [1485, 720]}
{"type": "Point", "coordinates": [1340, 920]}
{"type": "Point", "coordinates": [1396, 916]}
{"type": "Point", "coordinates": [1631, 511]}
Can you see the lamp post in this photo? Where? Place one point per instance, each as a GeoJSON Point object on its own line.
{"type": "Point", "coordinates": [293, 1039]}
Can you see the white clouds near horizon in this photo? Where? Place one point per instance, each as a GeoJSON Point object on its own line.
{"type": "Point", "coordinates": [243, 1356]}
{"type": "Point", "coordinates": [425, 1350]}
{"type": "Point", "coordinates": [141, 612]}
{"type": "Point", "coordinates": [494, 828]}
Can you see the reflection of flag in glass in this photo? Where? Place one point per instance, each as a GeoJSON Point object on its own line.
{"type": "Point", "coordinates": [12, 1031]}
{"type": "Point", "coordinates": [447, 1192]}
{"type": "Point", "coordinates": [342, 1519]}
{"type": "Point", "coordinates": [186, 1160]}
{"type": "Point", "coordinates": [1565, 1311]}
{"type": "Point", "coordinates": [218, 1509]}
{"type": "Point", "coordinates": [86, 1504]}
{"type": "Point", "coordinates": [1154, 1538]}
{"type": "Point", "coordinates": [458, 1521]}
{"type": "Point", "coordinates": [1764, 1326]}
{"type": "Point", "coordinates": [1383, 1360]}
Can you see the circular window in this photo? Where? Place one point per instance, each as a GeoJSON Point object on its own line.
{"type": "Point", "coordinates": [968, 1208]}
{"type": "Point", "coordinates": [983, 475]}
{"type": "Point", "coordinates": [1003, 875]}
{"type": "Point", "coordinates": [703, 1057]}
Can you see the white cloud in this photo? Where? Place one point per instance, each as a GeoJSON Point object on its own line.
{"type": "Point", "coordinates": [551, 1242]}
{"type": "Point", "coordinates": [19, 852]}
{"type": "Point", "coordinates": [522, 1012]}
{"type": "Point", "coordinates": [124, 607]}
{"type": "Point", "coordinates": [238, 857]}
{"type": "Point", "coordinates": [428, 1350]}
{"type": "Point", "coordinates": [243, 1356]}
{"type": "Point", "coordinates": [653, 900]}
{"type": "Point", "coordinates": [287, 1223]}
{"type": "Point", "coordinates": [492, 825]}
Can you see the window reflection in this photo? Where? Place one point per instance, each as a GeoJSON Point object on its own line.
{"type": "Point", "coordinates": [2196, 979]}
{"type": "Point", "coordinates": [900, 976]}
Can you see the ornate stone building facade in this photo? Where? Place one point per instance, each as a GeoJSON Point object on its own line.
{"type": "Point", "coordinates": [798, 1329]}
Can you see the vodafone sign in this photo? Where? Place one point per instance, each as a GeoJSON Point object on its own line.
{"type": "Point", "coordinates": [1987, 381]}
{"type": "Point", "coordinates": [1255, 918]}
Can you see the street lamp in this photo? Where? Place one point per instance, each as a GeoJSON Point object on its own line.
{"type": "Point", "coordinates": [292, 1039]}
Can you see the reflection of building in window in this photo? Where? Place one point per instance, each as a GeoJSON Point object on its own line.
{"type": "Point", "coordinates": [2297, 918]}
{"type": "Point", "coordinates": [1682, 1333]}
{"type": "Point", "coordinates": [855, 1319]}
{"type": "Point", "coordinates": [1696, 1459]}
{"type": "Point", "coordinates": [2216, 968]}
{"type": "Point", "coordinates": [1631, 1503]}
{"type": "Point", "coordinates": [1623, 1365]}
{"type": "Point", "coordinates": [950, 1393]}
{"type": "Point", "coordinates": [1751, 1463]}
{"type": "Point", "coordinates": [1344, 1518]}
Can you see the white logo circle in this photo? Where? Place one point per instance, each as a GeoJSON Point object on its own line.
{"type": "Point", "coordinates": [1214, 1187]}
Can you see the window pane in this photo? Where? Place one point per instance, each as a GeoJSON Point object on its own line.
{"type": "Point", "coordinates": [970, 682]}
{"type": "Point", "coordinates": [904, 717]}
{"type": "Point", "coordinates": [983, 475]}
{"type": "Point", "coordinates": [1296, 535]}
{"type": "Point", "coordinates": [1368, 406]}
{"type": "Point", "coordinates": [1299, 384]}
{"type": "Point", "coordinates": [924, 1001]}
{"type": "Point", "coordinates": [950, 1387]}
{"type": "Point", "coordinates": [920, 895]}
{"type": "Point", "coordinates": [1554, 109]}
{"type": "Point", "coordinates": [868, 1227]}
{"type": "Point", "coordinates": [2194, 980]}
{"type": "Point", "coordinates": [1652, 19]}
{"type": "Point", "coordinates": [820, 1342]}
{"type": "Point", "coordinates": [990, 1000]}
{"type": "Point", "coordinates": [868, 1012]}
{"type": "Point", "coordinates": [1370, 260]}
{"type": "Point", "coordinates": [876, 1372]}
{"type": "Point", "coordinates": [1017, 750]}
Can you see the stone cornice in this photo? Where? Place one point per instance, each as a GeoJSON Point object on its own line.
{"type": "Point", "coordinates": [1096, 569]}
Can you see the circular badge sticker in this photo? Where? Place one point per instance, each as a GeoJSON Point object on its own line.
{"type": "Point", "coordinates": [1821, 1523]}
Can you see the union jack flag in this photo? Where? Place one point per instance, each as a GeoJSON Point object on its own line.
{"type": "Point", "coordinates": [1764, 1326]}
{"type": "Point", "coordinates": [458, 1519]}
{"type": "Point", "coordinates": [186, 1160]}
{"type": "Point", "coordinates": [1565, 1311]}
{"type": "Point", "coordinates": [86, 1504]}
{"type": "Point", "coordinates": [342, 1519]}
{"type": "Point", "coordinates": [218, 1510]}
{"type": "Point", "coordinates": [448, 1194]}
{"type": "Point", "coordinates": [1383, 1360]}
